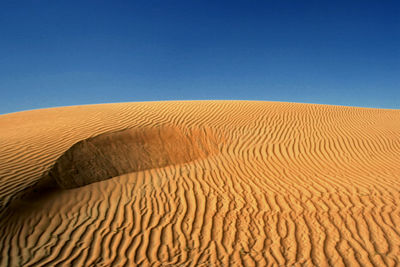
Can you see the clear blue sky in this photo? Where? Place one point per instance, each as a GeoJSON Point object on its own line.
{"type": "Point", "coordinates": [58, 53]}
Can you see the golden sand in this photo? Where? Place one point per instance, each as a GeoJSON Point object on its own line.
{"type": "Point", "coordinates": [200, 183]}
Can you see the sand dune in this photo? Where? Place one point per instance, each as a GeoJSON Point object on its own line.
{"type": "Point", "coordinates": [200, 183]}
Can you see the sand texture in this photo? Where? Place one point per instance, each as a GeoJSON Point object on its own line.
{"type": "Point", "coordinates": [200, 183]}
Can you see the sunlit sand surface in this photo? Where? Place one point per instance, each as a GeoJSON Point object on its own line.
{"type": "Point", "coordinates": [200, 183]}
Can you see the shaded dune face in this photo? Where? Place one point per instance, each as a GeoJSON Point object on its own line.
{"type": "Point", "coordinates": [113, 154]}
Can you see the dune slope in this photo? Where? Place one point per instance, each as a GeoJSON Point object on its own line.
{"type": "Point", "coordinates": [200, 183]}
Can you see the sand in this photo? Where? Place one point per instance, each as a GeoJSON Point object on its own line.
{"type": "Point", "coordinates": [200, 183]}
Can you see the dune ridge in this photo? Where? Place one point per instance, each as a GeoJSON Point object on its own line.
{"type": "Point", "coordinates": [288, 184]}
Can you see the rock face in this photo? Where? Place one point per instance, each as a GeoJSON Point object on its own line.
{"type": "Point", "coordinates": [116, 153]}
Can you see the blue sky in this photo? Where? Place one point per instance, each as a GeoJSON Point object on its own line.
{"type": "Point", "coordinates": [59, 53]}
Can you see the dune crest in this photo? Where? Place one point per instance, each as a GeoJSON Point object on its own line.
{"type": "Point", "coordinates": [113, 154]}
